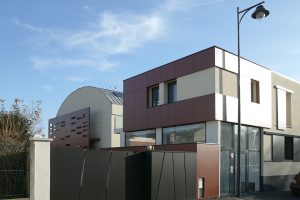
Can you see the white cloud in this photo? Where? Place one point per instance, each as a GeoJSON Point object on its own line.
{"type": "Point", "coordinates": [77, 78]}
{"type": "Point", "coordinates": [93, 46]}
{"type": "Point", "coordinates": [47, 88]}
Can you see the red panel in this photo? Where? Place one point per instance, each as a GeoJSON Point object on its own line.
{"type": "Point", "coordinates": [139, 108]}
{"type": "Point", "coordinates": [140, 81]}
{"type": "Point", "coordinates": [128, 85]}
{"type": "Point", "coordinates": [168, 115]}
{"type": "Point", "coordinates": [153, 117]}
{"type": "Point", "coordinates": [208, 168]}
{"type": "Point", "coordinates": [153, 77]}
{"type": "Point", "coordinates": [204, 59]}
{"type": "Point", "coordinates": [184, 112]}
{"type": "Point", "coordinates": [128, 108]}
{"type": "Point", "coordinates": [168, 72]}
{"type": "Point", "coordinates": [205, 108]}
{"type": "Point", "coordinates": [185, 66]}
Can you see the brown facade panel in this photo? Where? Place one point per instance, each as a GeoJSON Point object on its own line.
{"type": "Point", "coordinates": [140, 81]}
{"type": "Point", "coordinates": [137, 115]}
{"type": "Point", "coordinates": [204, 59]}
{"type": "Point", "coordinates": [205, 108]}
{"type": "Point", "coordinates": [128, 85]}
{"type": "Point", "coordinates": [208, 168]}
{"type": "Point", "coordinates": [168, 72]}
{"type": "Point", "coordinates": [153, 77]}
{"type": "Point", "coordinates": [185, 112]}
{"type": "Point", "coordinates": [168, 114]}
{"type": "Point", "coordinates": [198, 109]}
{"type": "Point", "coordinates": [71, 130]}
{"type": "Point", "coordinates": [185, 66]}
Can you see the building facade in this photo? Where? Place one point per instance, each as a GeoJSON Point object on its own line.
{"type": "Point", "coordinates": [89, 117]}
{"type": "Point", "coordinates": [194, 99]}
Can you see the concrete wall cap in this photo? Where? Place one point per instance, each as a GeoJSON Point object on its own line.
{"type": "Point", "coordinates": [34, 139]}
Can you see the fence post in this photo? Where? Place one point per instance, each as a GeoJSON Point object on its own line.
{"type": "Point", "coordinates": [40, 168]}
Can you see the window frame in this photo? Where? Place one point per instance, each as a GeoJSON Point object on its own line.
{"type": "Point", "coordinates": [255, 91]}
{"type": "Point", "coordinates": [171, 84]}
{"type": "Point", "coordinates": [151, 101]}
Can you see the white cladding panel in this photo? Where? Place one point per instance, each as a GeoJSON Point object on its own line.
{"type": "Point", "coordinates": [256, 114]}
{"type": "Point", "coordinates": [281, 109]}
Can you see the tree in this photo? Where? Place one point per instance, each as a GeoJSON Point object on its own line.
{"type": "Point", "coordinates": [19, 122]}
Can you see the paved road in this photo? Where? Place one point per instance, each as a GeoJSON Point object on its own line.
{"type": "Point", "coordinates": [281, 195]}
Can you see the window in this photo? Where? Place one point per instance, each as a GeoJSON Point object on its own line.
{"type": "Point", "coordinates": [153, 93]}
{"type": "Point", "coordinates": [284, 108]}
{"type": "Point", "coordinates": [255, 91]}
{"type": "Point", "coordinates": [278, 148]}
{"type": "Point", "coordinates": [118, 123]}
{"type": "Point", "coordinates": [267, 147]}
{"type": "Point", "coordinates": [141, 138]}
{"type": "Point", "coordinates": [288, 110]}
{"type": "Point", "coordinates": [184, 134]}
{"type": "Point", "coordinates": [172, 91]}
{"type": "Point", "coordinates": [288, 148]}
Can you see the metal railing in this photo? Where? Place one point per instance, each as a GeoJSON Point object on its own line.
{"type": "Point", "coordinates": [13, 171]}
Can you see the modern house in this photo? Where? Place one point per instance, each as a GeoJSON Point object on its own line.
{"type": "Point", "coordinates": [194, 100]}
{"type": "Point", "coordinates": [89, 117]}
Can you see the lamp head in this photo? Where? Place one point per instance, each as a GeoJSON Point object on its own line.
{"type": "Point", "coordinates": [260, 12]}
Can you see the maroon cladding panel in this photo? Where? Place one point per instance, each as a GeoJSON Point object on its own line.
{"type": "Point", "coordinates": [153, 77]}
{"type": "Point", "coordinates": [185, 66]}
{"type": "Point", "coordinates": [185, 112]}
{"type": "Point", "coordinates": [188, 111]}
{"type": "Point", "coordinates": [204, 59]}
{"type": "Point", "coordinates": [168, 114]}
{"type": "Point", "coordinates": [129, 85]}
{"type": "Point", "coordinates": [208, 163]}
{"type": "Point", "coordinates": [137, 115]}
{"type": "Point", "coordinates": [153, 116]}
{"type": "Point", "coordinates": [168, 72]}
{"type": "Point", "coordinates": [128, 110]}
{"type": "Point", "coordinates": [71, 130]}
{"type": "Point", "coordinates": [205, 108]}
{"type": "Point", "coordinates": [140, 81]}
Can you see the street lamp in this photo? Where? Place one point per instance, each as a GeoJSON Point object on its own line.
{"type": "Point", "coordinates": [259, 13]}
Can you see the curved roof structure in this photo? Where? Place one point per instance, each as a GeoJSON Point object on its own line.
{"type": "Point", "coordinates": [114, 96]}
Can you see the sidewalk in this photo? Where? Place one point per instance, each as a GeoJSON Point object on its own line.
{"type": "Point", "coordinates": [276, 195]}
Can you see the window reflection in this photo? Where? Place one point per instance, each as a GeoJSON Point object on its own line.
{"type": "Point", "coordinates": [184, 134]}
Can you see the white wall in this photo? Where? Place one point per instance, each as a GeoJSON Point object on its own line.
{"type": "Point", "coordinates": [252, 113]}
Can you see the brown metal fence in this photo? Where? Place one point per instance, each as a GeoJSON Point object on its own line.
{"type": "Point", "coordinates": [13, 171]}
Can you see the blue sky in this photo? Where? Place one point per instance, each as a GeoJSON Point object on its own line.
{"type": "Point", "coordinates": [48, 48]}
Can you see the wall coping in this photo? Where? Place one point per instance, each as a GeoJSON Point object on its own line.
{"type": "Point", "coordinates": [37, 139]}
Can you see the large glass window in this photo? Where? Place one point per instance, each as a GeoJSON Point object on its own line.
{"type": "Point", "coordinates": [267, 148]}
{"type": "Point", "coordinates": [289, 148]}
{"type": "Point", "coordinates": [184, 134]}
{"type": "Point", "coordinates": [141, 138]}
{"type": "Point", "coordinates": [226, 136]}
{"type": "Point", "coordinates": [172, 91]}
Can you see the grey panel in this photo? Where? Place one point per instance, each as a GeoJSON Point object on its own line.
{"type": "Point", "coordinates": [116, 184]}
{"type": "Point", "coordinates": [278, 148]}
{"type": "Point", "coordinates": [166, 183]}
{"type": "Point", "coordinates": [66, 167]}
{"type": "Point", "coordinates": [95, 175]}
{"type": "Point", "coordinates": [136, 176]}
{"type": "Point", "coordinates": [297, 149]}
{"type": "Point", "coordinates": [180, 189]}
{"type": "Point", "coordinates": [191, 174]}
{"type": "Point", "coordinates": [156, 160]}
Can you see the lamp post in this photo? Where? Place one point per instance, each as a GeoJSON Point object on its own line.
{"type": "Point", "coordinates": [259, 13]}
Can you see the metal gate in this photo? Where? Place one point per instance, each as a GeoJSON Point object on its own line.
{"type": "Point", "coordinates": [13, 171]}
